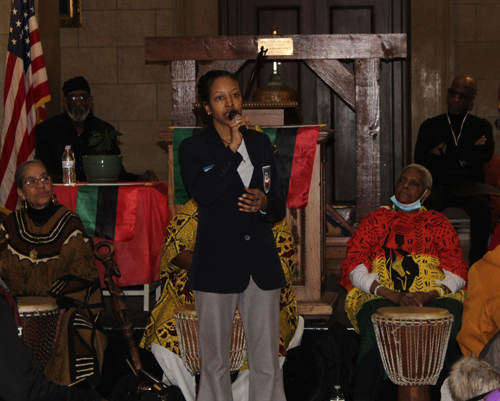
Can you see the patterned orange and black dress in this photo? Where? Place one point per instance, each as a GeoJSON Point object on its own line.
{"type": "Point", "coordinates": [409, 251]}
{"type": "Point", "coordinates": [181, 235]}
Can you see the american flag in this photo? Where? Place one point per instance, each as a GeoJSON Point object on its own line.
{"type": "Point", "coordinates": [26, 90]}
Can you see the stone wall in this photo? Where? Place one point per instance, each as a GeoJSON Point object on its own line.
{"type": "Point", "coordinates": [109, 51]}
{"type": "Point", "coordinates": [450, 38]}
{"type": "Point", "coordinates": [476, 40]}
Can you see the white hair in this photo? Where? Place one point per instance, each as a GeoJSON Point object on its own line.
{"type": "Point", "coordinates": [425, 173]}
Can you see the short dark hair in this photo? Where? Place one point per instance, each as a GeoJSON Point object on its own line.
{"type": "Point", "coordinates": [206, 81]}
{"type": "Point", "coordinates": [19, 175]}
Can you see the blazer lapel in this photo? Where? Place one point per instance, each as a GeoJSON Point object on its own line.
{"type": "Point", "coordinates": [255, 153]}
{"type": "Point", "coordinates": [213, 142]}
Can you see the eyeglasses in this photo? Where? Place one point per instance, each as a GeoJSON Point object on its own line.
{"type": "Point", "coordinates": [463, 96]}
{"type": "Point", "coordinates": [32, 181]}
{"type": "Point", "coordinates": [82, 98]}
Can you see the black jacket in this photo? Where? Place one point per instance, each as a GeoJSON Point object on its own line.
{"type": "Point", "coordinates": [52, 135]}
{"type": "Point", "coordinates": [231, 245]}
{"type": "Point", "coordinates": [447, 169]}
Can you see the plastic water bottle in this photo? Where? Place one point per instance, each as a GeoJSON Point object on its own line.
{"type": "Point", "coordinates": [68, 166]}
{"type": "Point", "coordinates": [337, 394]}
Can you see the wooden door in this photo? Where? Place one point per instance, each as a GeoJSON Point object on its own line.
{"type": "Point", "coordinates": [318, 102]}
{"type": "Point", "coordinates": [287, 17]}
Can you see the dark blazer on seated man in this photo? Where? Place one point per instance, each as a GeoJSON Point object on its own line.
{"type": "Point", "coordinates": [73, 127]}
{"type": "Point", "coordinates": [54, 134]}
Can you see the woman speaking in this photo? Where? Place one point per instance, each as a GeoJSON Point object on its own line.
{"type": "Point", "coordinates": [235, 262]}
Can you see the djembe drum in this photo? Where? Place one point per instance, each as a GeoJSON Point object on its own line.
{"type": "Point", "coordinates": [39, 317]}
{"type": "Point", "coordinates": [187, 332]}
{"type": "Point", "coordinates": [412, 343]}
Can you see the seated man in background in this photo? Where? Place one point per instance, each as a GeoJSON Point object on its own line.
{"type": "Point", "coordinates": [454, 147]}
{"type": "Point", "coordinates": [161, 336]}
{"type": "Point", "coordinates": [73, 127]}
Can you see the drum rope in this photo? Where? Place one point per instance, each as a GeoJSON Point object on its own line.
{"type": "Point", "coordinates": [412, 351]}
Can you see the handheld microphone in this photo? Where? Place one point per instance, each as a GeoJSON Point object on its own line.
{"type": "Point", "coordinates": [242, 128]}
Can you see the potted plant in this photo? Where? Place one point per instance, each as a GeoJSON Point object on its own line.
{"type": "Point", "coordinates": [103, 167]}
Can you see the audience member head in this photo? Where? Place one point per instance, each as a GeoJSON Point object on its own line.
{"type": "Point", "coordinates": [34, 184]}
{"type": "Point", "coordinates": [470, 376]}
{"type": "Point", "coordinates": [220, 93]}
{"type": "Point", "coordinates": [413, 186]}
{"type": "Point", "coordinates": [427, 176]}
{"type": "Point", "coordinates": [461, 94]}
{"type": "Point", "coordinates": [77, 98]}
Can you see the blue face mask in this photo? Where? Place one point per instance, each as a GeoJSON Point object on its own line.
{"type": "Point", "coordinates": [408, 207]}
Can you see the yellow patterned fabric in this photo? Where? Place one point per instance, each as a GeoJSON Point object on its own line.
{"type": "Point", "coordinates": [181, 235]}
{"type": "Point", "coordinates": [408, 251]}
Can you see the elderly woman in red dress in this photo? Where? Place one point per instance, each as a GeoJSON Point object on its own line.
{"type": "Point", "coordinates": [404, 256]}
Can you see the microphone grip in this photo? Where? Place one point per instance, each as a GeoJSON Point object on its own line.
{"type": "Point", "coordinates": [243, 130]}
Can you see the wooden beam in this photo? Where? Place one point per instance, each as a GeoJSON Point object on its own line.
{"type": "Point", "coordinates": [355, 46]}
{"type": "Point", "coordinates": [367, 137]}
{"type": "Point", "coordinates": [183, 94]}
{"type": "Point", "coordinates": [336, 77]}
{"type": "Point", "coordinates": [319, 309]}
{"type": "Point", "coordinates": [336, 247]}
{"type": "Point", "coordinates": [336, 215]}
{"type": "Point", "coordinates": [226, 65]}
{"type": "Point", "coordinates": [314, 251]}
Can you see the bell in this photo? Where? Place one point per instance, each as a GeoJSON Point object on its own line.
{"type": "Point", "coordinates": [275, 91]}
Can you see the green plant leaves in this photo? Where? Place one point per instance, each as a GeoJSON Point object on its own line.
{"type": "Point", "coordinates": [103, 142]}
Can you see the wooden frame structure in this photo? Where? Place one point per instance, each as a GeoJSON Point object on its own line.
{"type": "Point", "coordinates": [322, 54]}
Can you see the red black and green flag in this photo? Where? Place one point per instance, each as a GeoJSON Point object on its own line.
{"type": "Point", "coordinates": [295, 152]}
{"type": "Point", "coordinates": [179, 134]}
{"type": "Point", "coordinates": [294, 156]}
{"type": "Point", "coordinates": [108, 212]}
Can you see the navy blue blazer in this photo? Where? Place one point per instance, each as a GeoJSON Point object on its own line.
{"type": "Point", "coordinates": [231, 245]}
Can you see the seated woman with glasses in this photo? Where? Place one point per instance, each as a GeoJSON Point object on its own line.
{"type": "Point", "coordinates": [45, 251]}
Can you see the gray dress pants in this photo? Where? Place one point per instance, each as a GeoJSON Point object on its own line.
{"type": "Point", "coordinates": [260, 315]}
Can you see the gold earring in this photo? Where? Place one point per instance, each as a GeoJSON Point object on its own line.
{"type": "Point", "coordinates": [25, 204]}
{"type": "Point", "coordinates": [55, 201]}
